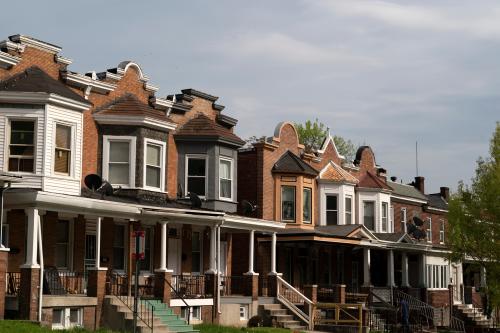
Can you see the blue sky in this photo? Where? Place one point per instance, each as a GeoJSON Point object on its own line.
{"type": "Point", "coordinates": [381, 73]}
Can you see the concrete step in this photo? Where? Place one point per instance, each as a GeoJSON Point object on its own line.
{"type": "Point", "coordinates": [277, 312]}
{"type": "Point", "coordinates": [273, 307]}
{"type": "Point", "coordinates": [289, 323]}
{"type": "Point", "coordinates": [281, 318]}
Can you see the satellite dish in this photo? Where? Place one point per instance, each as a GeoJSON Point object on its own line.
{"type": "Point", "coordinates": [411, 228]}
{"type": "Point", "coordinates": [195, 200]}
{"type": "Point", "coordinates": [93, 181]}
{"type": "Point", "coordinates": [248, 207]}
{"type": "Point", "coordinates": [418, 222]}
{"type": "Point", "coordinates": [106, 189]}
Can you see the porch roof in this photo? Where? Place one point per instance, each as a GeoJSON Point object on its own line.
{"type": "Point", "coordinates": [355, 232]}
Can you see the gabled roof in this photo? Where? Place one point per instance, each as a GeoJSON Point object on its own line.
{"type": "Point", "coordinates": [437, 201]}
{"type": "Point", "coordinates": [291, 163]}
{"type": "Point", "coordinates": [406, 191]}
{"type": "Point", "coordinates": [334, 172]}
{"type": "Point", "coordinates": [202, 126]}
{"type": "Point", "coordinates": [398, 237]}
{"type": "Point", "coordinates": [344, 231]}
{"type": "Point", "coordinates": [369, 180]}
{"type": "Point", "coordinates": [34, 79]}
{"type": "Point", "coordinates": [130, 105]}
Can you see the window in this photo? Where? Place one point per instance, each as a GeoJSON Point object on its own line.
{"type": "Point", "coordinates": [429, 230]}
{"type": "Point", "coordinates": [5, 235]}
{"type": "Point", "coordinates": [306, 205]}
{"type": "Point", "coordinates": [288, 203]}
{"type": "Point", "coordinates": [391, 219]}
{"type": "Point", "coordinates": [403, 219]}
{"type": "Point", "coordinates": [62, 152]}
{"type": "Point", "coordinates": [145, 264]}
{"type": "Point", "coordinates": [385, 217]}
{"type": "Point", "coordinates": [437, 276]}
{"type": "Point", "coordinates": [348, 209]}
{"type": "Point", "coordinates": [67, 317]}
{"type": "Point", "coordinates": [196, 175]}
{"type": "Point", "coordinates": [58, 317]}
{"type": "Point", "coordinates": [225, 179]}
{"type": "Point", "coordinates": [22, 146]}
{"type": "Point", "coordinates": [441, 231]}
{"type": "Point", "coordinates": [119, 160]}
{"type": "Point", "coordinates": [369, 214]}
{"type": "Point", "coordinates": [331, 210]}
{"type": "Point", "coordinates": [196, 252]}
{"type": "Point", "coordinates": [62, 249]}
{"type": "Point", "coordinates": [154, 161]}
{"type": "Point", "coordinates": [195, 312]}
{"type": "Point", "coordinates": [243, 312]}
{"type": "Point", "coordinates": [119, 247]}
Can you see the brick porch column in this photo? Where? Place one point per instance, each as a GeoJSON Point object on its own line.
{"type": "Point", "coordinates": [211, 289]}
{"type": "Point", "coordinates": [4, 255]}
{"type": "Point", "coordinates": [252, 285]}
{"type": "Point", "coordinates": [339, 293]}
{"type": "Point", "coordinates": [272, 284]}
{"type": "Point", "coordinates": [311, 292]}
{"type": "Point", "coordinates": [161, 287]}
{"type": "Point", "coordinates": [97, 288]}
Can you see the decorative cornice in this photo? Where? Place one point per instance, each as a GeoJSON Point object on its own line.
{"type": "Point", "coordinates": [226, 120]}
{"type": "Point", "coordinates": [160, 103]}
{"type": "Point", "coordinates": [11, 46]}
{"type": "Point", "coordinates": [135, 121]}
{"type": "Point", "coordinates": [32, 42]}
{"type": "Point", "coordinates": [42, 98]}
{"type": "Point", "coordinates": [85, 81]}
{"type": "Point", "coordinates": [200, 94]}
{"type": "Point", "coordinates": [8, 60]}
{"type": "Point", "coordinates": [63, 60]}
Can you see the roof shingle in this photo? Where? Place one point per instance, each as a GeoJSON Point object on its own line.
{"type": "Point", "coordinates": [130, 105]}
{"type": "Point", "coordinates": [369, 180]}
{"type": "Point", "coordinates": [406, 191]}
{"type": "Point", "coordinates": [291, 163]}
{"type": "Point", "coordinates": [334, 172]}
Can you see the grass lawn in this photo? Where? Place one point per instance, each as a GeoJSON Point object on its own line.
{"type": "Point", "coordinates": [208, 328]}
{"type": "Point", "coordinates": [18, 326]}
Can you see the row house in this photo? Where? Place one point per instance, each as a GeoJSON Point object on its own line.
{"type": "Point", "coordinates": [88, 159]}
{"type": "Point", "coordinates": [349, 230]}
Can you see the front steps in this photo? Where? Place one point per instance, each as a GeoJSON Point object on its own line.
{"type": "Point", "coordinates": [475, 315]}
{"type": "Point", "coordinates": [117, 316]}
{"type": "Point", "coordinates": [280, 317]}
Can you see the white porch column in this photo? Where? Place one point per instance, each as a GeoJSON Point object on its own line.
{"type": "Point", "coordinates": [390, 268]}
{"type": "Point", "coordinates": [163, 248]}
{"type": "Point", "coordinates": [98, 243]}
{"type": "Point", "coordinates": [404, 270]}
{"type": "Point", "coordinates": [251, 252]}
{"type": "Point", "coordinates": [32, 239]}
{"type": "Point", "coordinates": [213, 244]}
{"type": "Point", "coordinates": [366, 267]}
{"type": "Point", "coordinates": [273, 254]}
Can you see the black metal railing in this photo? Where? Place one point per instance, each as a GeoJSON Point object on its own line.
{"type": "Point", "coordinates": [13, 283]}
{"type": "Point", "coordinates": [177, 294]}
{"type": "Point", "coordinates": [189, 286]}
{"type": "Point", "coordinates": [234, 285]}
{"type": "Point", "coordinates": [64, 282]}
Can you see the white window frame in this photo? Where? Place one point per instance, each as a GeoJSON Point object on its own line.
{"type": "Point", "coordinates": [132, 140]}
{"type": "Point", "coordinates": [404, 218]}
{"type": "Point", "coordinates": [441, 231]}
{"type": "Point", "coordinates": [243, 311]}
{"type": "Point", "coordinates": [7, 146]}
{"type": "Point", "coordinates": [186, 169]}
{"type": "Point", "coordinates": [386, 217]}
{"type": "Point", "coordinates": [231, 170]}
{"type": "Point", "coordinates": [194, 314]}
{"type": "Point", "coordinates": [72, 154]}
{"type": "Point", "coordinates": [374, 202]}
{"type": "Point", "coordinates": [435, 278]}
{"type": "Point", "coordinates": [66, 324]}
{"type": "Point", "coordinates": [391, 218]}
{"type": "Point", "coordinates": [126, 245]}
{"type": "Point", "coordinates": [429, 230]}
{"type": "Point", "coordinates": [304, 189]}
{"type": "Point", "coordinates": [331, 210]}
{"type": "Point", "coordinates": [350, 210]}
{"type": "Point", "coordinates": [163, 148]}
{"type": "Point", "coordinates": [294, 220]}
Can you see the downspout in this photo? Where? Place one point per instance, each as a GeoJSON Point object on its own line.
{"type": "Point", "coordinates": [1, 211]}
{"type": "Point", "coordinates": [218, 266]}
{"type": "Point", "coordinates": [40, 253]}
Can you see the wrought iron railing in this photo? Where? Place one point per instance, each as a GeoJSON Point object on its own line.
{"type": "Point", "coordinates": [13, 283]}
{"type": "Point", "coordinates": [421, 312]}
{"type": "Point", "coordinates": [188, 286]}
{"type": "Point", "coordinates": [233, 285]}
{"type": "Point", "coordinates": [65, 282]}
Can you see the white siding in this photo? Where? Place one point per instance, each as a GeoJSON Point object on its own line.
{"type": "Point", "coordinates": [378, 198]}
{"type": "Point", "coordinates": [341, 191]}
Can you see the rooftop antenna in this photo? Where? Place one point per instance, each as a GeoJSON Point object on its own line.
{"type": "Point", "coordinates": [416, 156]}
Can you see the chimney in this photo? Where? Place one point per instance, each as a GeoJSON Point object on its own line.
{"type": "Point", "coordinates": [382, 173]}
{"type": "Point", "coordinates": [419, 184]}
{"type": "Point", "coordinates": [445, 193]}
{"type": "Point", "coordinates": [394, 178]}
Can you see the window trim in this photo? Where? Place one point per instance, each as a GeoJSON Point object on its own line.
{"type": "Point", "coordinates": [331, 210]}
{"type": "Point", "coordinates": [294, 203]}
{"type": "Point", "coordinates": [106, 139]}
{"type": "Point", "coordinates": [374, 202]}
{"type": "Point", "coordinates": [186, 176]}
{"type": "Point", "coordinates": [243, 311]}
{"type": "Point", "coordinates": [429, 230]}
{"type": "Point", "coordinates": [441, 231]}
{"type": "Point", "coordinates": [231, 170]}
{"type": "Point", "coordinates": [151, 241]}
{"type": "Point", "coordinates": [8, 129]}
{"type": "Point", "coordinates": [71, 169]}
{"type": "Point", "coordinates": [386, 204]}
{"type": "Point", "coordinates": [126, 245]}
{"type": "Point", "coordinates": [163, 147]}
{"type": "Point", "coordinates": [348, 196]}
{"type": "Point", "coordinates": [404, 222]}
{"type": "Point", "coordinates": [304, 189]}
{"type": "Point", "coordinates": [200, 232]}
{"type": "Point", "coordinates": [69, 244]}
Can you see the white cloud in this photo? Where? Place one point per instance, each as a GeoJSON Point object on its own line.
{"type": "Point", "coordinates": [479, 23]}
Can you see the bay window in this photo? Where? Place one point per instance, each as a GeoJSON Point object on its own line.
{"type": "Point", "coordinates": [441, 231]}
{"type": "Point", "coordinates": [306, 205]}
{"type": "Point", "coordinates": [119, 160]}
{"type": "Point", "coordinates": [348, 209]}
{"type": "Point", "coordinates": [62, 151]}
{"type": "Point", "coordinates": [403, 219]}
{"type": "Point", "coordinates": [22, 146]}
{"type": "Point", "coordinates": [385, 216]}
{"type": "Point", "coordinates": [331, 210]}
{"type": "Point", "coordinates": [369, 214]}
{"type": "Point", "coordinates": [288, 203]}
{"type": "Point", "coordinates": [225, 179]}
{"type": "Point", "coordinates": [154, 164]}
{"type": "Point", "coordinates": [196, 175]}
{"type": "Point", "coordinates": [429, 230]}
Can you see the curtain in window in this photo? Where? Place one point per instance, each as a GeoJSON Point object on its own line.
{"type": "Point", "coordinates": [225, 178]}
{"type": "Point", "coordinates": [62, 149]}
{"type": "Point", "coordinates": [306, 200]}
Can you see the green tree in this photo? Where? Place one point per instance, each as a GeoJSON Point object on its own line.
{"type": "Point", "coordinates": [474, 219]}
{"type": "Point", "coordinates": [312, 134]}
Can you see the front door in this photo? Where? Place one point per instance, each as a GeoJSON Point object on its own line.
{"type": "Point", "coordinates": [457, 299]}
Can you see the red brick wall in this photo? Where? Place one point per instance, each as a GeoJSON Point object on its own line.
{"type": "Point", "coordinates": [30, 57]}
{"type": "Point", "coordinates": [438, 298]}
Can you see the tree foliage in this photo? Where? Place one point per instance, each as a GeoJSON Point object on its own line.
{"type": "Point", "coordinates": [312, 134]}
{"type": "Point", "coordinates": [474, 218]}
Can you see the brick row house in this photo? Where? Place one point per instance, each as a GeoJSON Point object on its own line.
{"type": "Point", "coordinates": [88, 159]}
{"type": "Point", "coordinates": [60, 226]}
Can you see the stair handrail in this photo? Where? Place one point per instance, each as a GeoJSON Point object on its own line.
{"type": "Point", "coordinates": [181, 298]}
{"type": "Point", "coordinates": [307, 318]}
{"type": "Point", "coordinates": [414, 303]}
{"type": "Point", "coordinates": [387, 307]}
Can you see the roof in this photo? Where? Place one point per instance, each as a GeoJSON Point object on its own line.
{"type": "Point", "coordinates": [334, 172]}
{"type": "Point", "coordinates": [392, 237]}
{"type": "Point", "coordinates": [346, 230]}
{"type": "Point", "coordinates": [34, 79]}
{"type": "Point", "coordinates": [202, 126]}
{"type": "Point", "coordinates": [437, 201]}
{"type": "Point", "coordinates": [291, 163]}
{"type": "Point", "coordinates": [369, 180]}
{"type": "Point", "coordinates": [406, 191]}
{"type": "Point", "coordinates": [130, 105]}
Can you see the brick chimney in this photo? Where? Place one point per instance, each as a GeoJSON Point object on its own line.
{"type": "Point", "coordinates": [445, 193]}
{"type": "Point", "coordinates": [419, 184]}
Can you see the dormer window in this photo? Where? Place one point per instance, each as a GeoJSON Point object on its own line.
{"type": "Point", "coordinates": [62, 153]}
{"type": "Point", "coordinates": [196, 174]}
{"type": "Point", "coordinates": [22, 146]}
{"type": "Point", "coordinates": [385, 216]}
{"type": "Point", "coordinates": [154, 165]}
{"type": "Point", "coordinates": [225, 179]}
{"type": "Point", "coordinates": [119, 160]}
